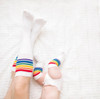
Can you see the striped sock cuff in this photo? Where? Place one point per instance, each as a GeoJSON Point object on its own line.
{"type": "Point", "coordinates": [55, 61]}
{"type": "Point", "coordinates": [37, 72]}
{"type": "Point", "coordinates": [14, 64]}
{"type": "Point", "coordinates": [25, 65]}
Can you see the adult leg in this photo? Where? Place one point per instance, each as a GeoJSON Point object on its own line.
{"type": "Point", "coordinates": [10, 90]}
{"type": "Point", "coordinates": [24, 63]}
{"type": "Point", "coordinates": [24, 70]}
{"type": "Point", "coordinates": [11, 87]}
{"type": "Point", "coordinates": [23, 82]}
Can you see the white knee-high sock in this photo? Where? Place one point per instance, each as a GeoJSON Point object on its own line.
{"type": "Point", "coordinates": [24, 65]}
{"type": "Point", "coordinates": [37, 26]}
{"type": "Point", "coordinates": [28, 26]}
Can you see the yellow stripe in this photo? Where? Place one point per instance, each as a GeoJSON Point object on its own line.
{"type": "Point", "coordinates": [37, 71]}
{"type": "Point", "coordinates": [15, 61]}
{"type": "Point", "coordinates": [55, 62]}
{"type": "Point", "coordinates": [24, 66]}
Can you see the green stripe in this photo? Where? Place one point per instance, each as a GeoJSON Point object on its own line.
{"type": "Point", "coordinates": [24, 64]}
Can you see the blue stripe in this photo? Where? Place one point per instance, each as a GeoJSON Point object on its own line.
{"type": "Point", "coordinates": [24, 62]}
{"type": "Point", "coordinates": [57, 61]}
{"type": "Point", "coordinates": [38, 68]}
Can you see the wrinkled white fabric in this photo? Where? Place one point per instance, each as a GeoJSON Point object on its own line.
{"type": "Point", "coordinates": [72, 26]}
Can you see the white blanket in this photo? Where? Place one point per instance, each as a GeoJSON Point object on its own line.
{"type": "Point", "coordinates": [72, 26]}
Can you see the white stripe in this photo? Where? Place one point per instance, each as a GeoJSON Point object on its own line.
{"type": "Point", "coordinates": [38, 76]}
{"type": "Point", "coordinates": [22, 73]}
{"type": "Point", "coordinates": [52, 65]}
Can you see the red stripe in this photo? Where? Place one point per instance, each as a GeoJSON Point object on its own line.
{"type": "Point", "coordinates": [52, 63]}
{"type": "Point", "coordinates": [23, 70]}
{"type": "Point", "coordinates": [14, 65]}
{"type": "Point", "coordinates": [36, 74]}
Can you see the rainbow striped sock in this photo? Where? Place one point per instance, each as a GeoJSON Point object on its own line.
{"type": "Point", "coordinates": [14, 64]}
{"type": "Point", "coordinates": [37, 72]}
{"type": "Point", "coordinates": [24, 67]}
{"type": "Point", "coordinates": [54, 62]}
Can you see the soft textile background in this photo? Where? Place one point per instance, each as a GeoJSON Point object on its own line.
{"type": "Point", "coordinates": [72, 26]}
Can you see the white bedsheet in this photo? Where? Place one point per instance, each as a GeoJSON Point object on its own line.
{"type": "Point", "coordinates": [72, 26]}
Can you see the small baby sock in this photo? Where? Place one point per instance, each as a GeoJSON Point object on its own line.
{"type": "Point", "coordinates": [37, 72]}
{"type": "Point", "coordinates": [56, 61]}
{"type": "Point", "coordinates": [14, 64]}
